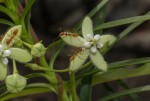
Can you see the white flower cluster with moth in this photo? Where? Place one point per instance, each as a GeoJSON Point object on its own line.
{"type": "Point", "coordinates": [90, 45]}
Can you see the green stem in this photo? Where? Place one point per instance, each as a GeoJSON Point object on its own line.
{"type": "Point", "coordinates": [26, 44]}
{"type": "Point", "coordinates": [34, 66]}
{"type": "Point", "coordinates": [14, 67]}
{"type": "Point", "coordinates": [54, 70]}
{"type": "Point", "coordinates": [57, 52]}
{"type": "Point", "coordinates": [43, 62]}
{"type": "Point", "coordinates": [65, 96]}
{"type": "Point", "coordinates": [37, 67]}
{"type": "Point", "coordinates": [73, 86]}
{"type": "Point", "coordinates": [60, 71]}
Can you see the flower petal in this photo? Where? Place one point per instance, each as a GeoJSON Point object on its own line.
{"type": "Point", "coordinates": [87, 27]}
{"type": "Point", "coordinates": [12, 35]}
{"type": "Point", "coordinates": [77, 60]}
{"type": "Point", "coordinates": [107, 38]}
{"type": "Point", "coordinates": [3, 71]}
{"type": "Point", "coordinates": [20, 55]}
{"type": "Point", "coordinates": [98, 60]}
{"type": "Point", "coordinates": [5, 61]}
{"type": "Point", "coordinates": [72, 39]}
{"type": "Point", "coordinates": [87, 44]}
{"type": "Point", "coordinates": [100, 45]}
{"type": "Point", "coordinates": [6, 53]}
{"type": "Point", "coordinates": [93, 49]}
{"type": "Point", "coordinates": [97, 37]}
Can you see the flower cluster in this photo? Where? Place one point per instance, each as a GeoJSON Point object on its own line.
{"type": "Point", "coordinates": [14, 82]}
{"type": "Point", "coordinates": [90, 45]}
{"type": "Point", "coordinates": [93, 43]}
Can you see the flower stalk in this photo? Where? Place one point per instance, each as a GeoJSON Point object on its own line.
{"type": "Point", "coordinates": [73, 86]}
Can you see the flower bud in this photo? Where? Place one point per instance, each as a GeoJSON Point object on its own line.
{"type": "Point", "coordinates": [33, 66]}
{"type": "Point", "coordinates": [15, 83]}
{"type": "Point", "coordinates": [36, 67]}
{"type": "Point", "coordinates": [38, 50]}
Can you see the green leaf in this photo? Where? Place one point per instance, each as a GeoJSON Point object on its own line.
{"type": "Point", "coordinates": [29, 90]}
{"type": "Point", "coordinates": [33, 75]}
{"type": "Point", "coordinates": [122, 22]}
{"type": "Point", "coordinates": [6, 22]}
{"type": "Point", "coordinates": [126, 92]}
{"type": "Point", "coordinates": [87, 26]}
{"type": "Point", "coordinates": [129, 62]}
{"type": "Point", "coordinates": [134, 97]}
{"type": "Point", "coordinates": [6, 11]}
{"type": "Point", "coordinates": [27, 8]}
{"type": "Point", "coordinates": [92, 13]}
{"type": "Point", "coordinates": [98, 61]}
{"type": "Point", "coordinates": [11, 5]}
{"type": "Point", "coordinates": [99, 18]}
{"type": "Point", "coordinates": [110, 90]}
{"type": "Point", "coordinates": [20, 55]}
{"type": "Point", "coordinates": [3, 71]}
{"type": "Point", "coordinates": [26, 35]}
{"type": "Point", "coordinates": [98, 7]}
{"type": "Point", "coordinates": [121, 73]}
{"type": "Point", "coordinates": [125, 32]}
{"type": "Point", "coordinates": [118, 64]}
{"type": "Point", "coordinates": [86, 88]}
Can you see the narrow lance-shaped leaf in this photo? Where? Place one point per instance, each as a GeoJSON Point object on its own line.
{"type": "Point", "coordinates": [122, 22]}
{"type": "Point", "coordinates": [86, 88]}
{"type": "Point", "coordinates": [121, 73]}
{"type": "Point", "coordinates": [126, 92]}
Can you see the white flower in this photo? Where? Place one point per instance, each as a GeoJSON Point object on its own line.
{"type": "Point", "coordinates": [90, 46]}
{"type": "Point", "coordinates": [3, 61]}
{"type": "Point", "coordinates": [4, 53]}
{"type": "Point", "coordinates": [93, 43]}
